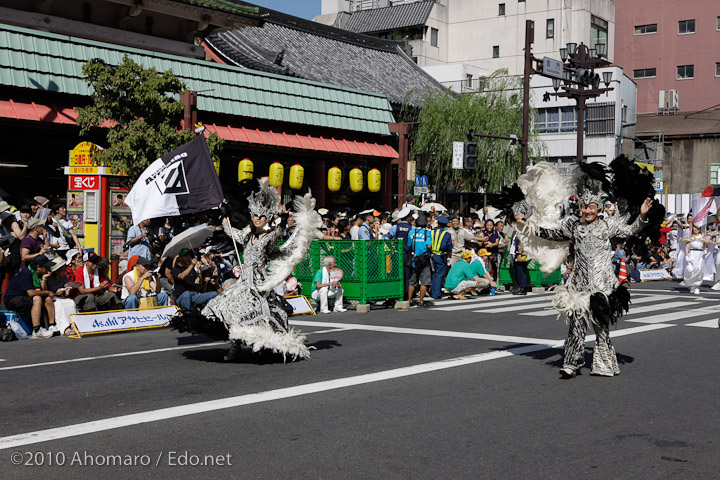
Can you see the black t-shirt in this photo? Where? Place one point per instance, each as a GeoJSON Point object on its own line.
{"type": "Point", "coordinates": [166, 264]}
{"type": "Point", "coordinates": [188, 283]}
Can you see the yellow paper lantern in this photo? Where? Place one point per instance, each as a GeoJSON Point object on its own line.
{"type": "Point", "coordinates": [277, 172]}
{"type": "Point", "coordinates": [297, 175]}
{"type": "Point", "coordinates": [374, 180]}
{"type": "Point", "coordinates": [245, 169]}
{"type": "Point", "coordinates": [334, 179]}
{"type": "Point", "coordinates": [356, 180]}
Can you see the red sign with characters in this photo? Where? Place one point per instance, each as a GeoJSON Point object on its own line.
{"type": "Point", "coordinates": [84, 182]}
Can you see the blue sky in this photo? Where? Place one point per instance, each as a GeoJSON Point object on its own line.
{"type": "Point", "coordinates": [300, 8]}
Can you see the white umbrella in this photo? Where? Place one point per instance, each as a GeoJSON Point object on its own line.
{"type": "Point", "coordinates": [429, 206]}
{"type": "Point", "coordinates": [193, 237]}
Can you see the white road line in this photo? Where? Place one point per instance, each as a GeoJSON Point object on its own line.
{"type": "Point", "coordinates": [466, 305]}
{"type": "Point", "coordinates": [418, 331]}
{"type": "Point", "coordinates": [327, 331]}
{"type": "Point", "coordinates": [635, 301]}
{"type": "Point", "coordinates": [114, 355]}
{"type": "Point", "coordinates": [705, 323]}
{"type": "Point", "coordinates": [40, 436]}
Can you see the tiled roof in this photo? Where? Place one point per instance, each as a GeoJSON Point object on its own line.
{"type": "Point", "coordinates": [225, 6]}
{"type": "Point", "coordinates": [390, 18]}
{"type": "Point", "coordinates": [696, 124]}
{"type": "Point", "coordinates": [293, 46]}
{"type": "Point", "coordinates": [46, 61]}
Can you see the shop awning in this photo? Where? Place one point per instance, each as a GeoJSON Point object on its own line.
{"type": "Point", "coordinates": [304, 142]}
{"type": "Point", "coordinates": [66, 115]}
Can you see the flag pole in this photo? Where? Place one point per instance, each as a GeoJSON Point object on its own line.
{"type": "Point", "coordinates": [237, 252]}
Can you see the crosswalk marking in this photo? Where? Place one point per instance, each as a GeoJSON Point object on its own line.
{"type": "Point", "coordinates": [466, 305]}
{"type": "Point", "coordinates": [635, 301]}
{"type": "Point", "coordinates": [673, 316]}
{"type": "Point", "coordinates": [705, 323]}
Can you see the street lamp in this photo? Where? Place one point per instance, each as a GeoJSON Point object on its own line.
{"type": "Point", "coordinates": [580, 81]}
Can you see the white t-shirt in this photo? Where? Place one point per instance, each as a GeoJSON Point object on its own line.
{"type": "Point", "coordinates": [140, 293]}
{"type": "Point", "coordinates": [61, 240]}
{"type": "Point", "coordinates": [354, 233]}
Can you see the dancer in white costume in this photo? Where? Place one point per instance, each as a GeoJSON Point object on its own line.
{"type": "Point", "coordinates": [695, 255]}
{"type": "Point", "coordinates": [683, 232]}
{"type": "Point", "coordinates": [250, 312]}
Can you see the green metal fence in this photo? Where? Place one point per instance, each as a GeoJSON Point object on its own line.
{"type": "Point", "coordinates": [372, 269]}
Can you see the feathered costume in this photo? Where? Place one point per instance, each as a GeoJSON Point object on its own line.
{"type": "Point", "coordinates": [592, 294]}
{"type": "Point", "coordinates": [249, 312]}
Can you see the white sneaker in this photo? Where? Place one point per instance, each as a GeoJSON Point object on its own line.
{"type": "Point", "coordinates": [42, 333]}
{"type": "Point", "coordinates": [325, 311]}
{"type": "Point", "coordinates": [53, 328]}
{"type": "Point", "coordinates": [715, 287]}
{"type": "Point", "coordinates": [339, 309]}
{"type": "Point", "coordinates": [697, 291]}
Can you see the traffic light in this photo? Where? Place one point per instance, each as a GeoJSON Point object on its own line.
{"type": "Point", "coordinates": [470, 155]}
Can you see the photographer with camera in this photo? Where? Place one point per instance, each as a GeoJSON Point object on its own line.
{"type": "Point", "coordinates": [189, 289]}
{"type": "Point", "coordinates": [138, 241]}
{"type": "Point", "coordinates": [142, 282]}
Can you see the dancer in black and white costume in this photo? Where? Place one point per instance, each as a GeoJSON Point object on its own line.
{"type": "Point", "coordinates": [592, 294]}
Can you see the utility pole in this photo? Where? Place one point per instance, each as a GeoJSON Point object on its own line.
{"type": "Point", "coordinates": [525, 138]}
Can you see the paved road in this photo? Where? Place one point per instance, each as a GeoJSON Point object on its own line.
{"type": "Point", "coordinates": [463, 390]}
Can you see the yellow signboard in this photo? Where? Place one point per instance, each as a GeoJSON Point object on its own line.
{"type": "Point", "coordinates": [81, 155]}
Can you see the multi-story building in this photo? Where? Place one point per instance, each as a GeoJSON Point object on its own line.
{"type": "Point", "coordinates": [671, 51]}
{"type": "Point", "coordinates": [459, 42]}
{"type": "Point", "coordinates": [488, 34]}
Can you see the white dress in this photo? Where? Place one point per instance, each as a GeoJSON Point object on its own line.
{"type": "Point", "coordinates": [694, 264]}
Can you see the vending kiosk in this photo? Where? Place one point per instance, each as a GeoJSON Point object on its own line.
{"type": "Point", "coordinates": [95, 202]}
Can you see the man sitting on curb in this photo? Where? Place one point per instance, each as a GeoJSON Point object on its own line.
{"type": "Point", "coordinates": [24, 295]}
{"type": "Point", "coordinates": [462, 278]}
{"type": "Point", "coordinates": [141, 282]}
{"type": "Point", "coordinates": [323, 288]}
{"type": "Point", "coordinates": [95, 293]}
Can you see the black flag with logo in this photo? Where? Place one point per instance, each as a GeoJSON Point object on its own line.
{"type": "Point", "coordinates": [180, 182]}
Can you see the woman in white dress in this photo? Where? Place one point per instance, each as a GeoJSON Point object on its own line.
{"type": "Point", "coordinates": [683, 232]}
{"type": "Point", "coordinates": [695, 252]}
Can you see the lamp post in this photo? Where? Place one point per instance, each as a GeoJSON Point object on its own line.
{"type": "Point", "coordinates": [580, 81]}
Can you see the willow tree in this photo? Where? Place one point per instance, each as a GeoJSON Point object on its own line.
{"type": "Point", "coordinates": [140, 111]}
{"type": "Point", "coordinates": [445, 117]}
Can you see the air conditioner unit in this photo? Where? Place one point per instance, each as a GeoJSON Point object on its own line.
{"type": "Point", "coordinates": [662, 100]}
{"type": "Point", "coordinates": [674, 99]}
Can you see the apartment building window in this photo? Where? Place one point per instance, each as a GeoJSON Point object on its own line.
{"type": "Point", "coordinates": [501, 9]}
{"type": "Point", "coordinates": [686, 26]}
{"type": "Point", "coordinates": [598, 32]}
{"type": "Point", "coordinates": [717, 69]}
{"type": "Point", "coordinates": [718, 24]}
{"type": "Point", "coordinates": [496, 51]}
{"type": "Point", "coordinates": [685, 72]}
{"type": "Point", "coordinates": [468, 80]}
{"type": "Point", "coordinates": [434, 37]}
{"type": "Point", "coordinates": [714, 167]}
{"type": "Point", "coordinates": [550, 28]}
{"type": "Point", "coordinates": [556, 120]}
{"type": "Point", "coordinates": [645, 29]}
{"type": "Point", "coordinates": [644, 73]}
